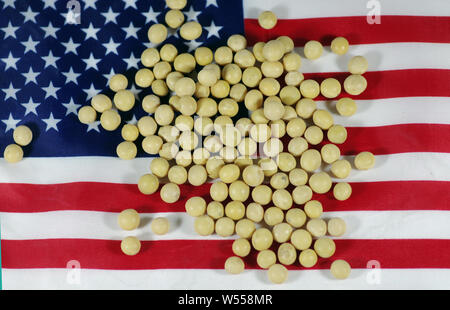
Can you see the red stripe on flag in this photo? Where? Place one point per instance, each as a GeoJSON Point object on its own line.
{"type": "Point", "coordinates": [395, 83]}
{"type": "Point", "coordinates": [434, 29]}
{"type": "Point", "coordinates": [111, 197]}
{"type": "Point", "coordinates": [397, 139]}
{"type": "Point", "coordinates": [211, 254]}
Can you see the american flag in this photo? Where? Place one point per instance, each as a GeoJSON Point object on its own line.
{"type": "Point", "coordinates": [59, 206]}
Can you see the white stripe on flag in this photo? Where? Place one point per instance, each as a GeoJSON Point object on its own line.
{"type": "Point", "coordinates": [292, 9]}
{"type": "Point", "coordinates": [192, 279]}
{"type": "Point", "coordinates": [393, 167]}
{"type": "Point", "coordinates": [103, 225]}
{"type": "Point", "coordinates": [383, 56]}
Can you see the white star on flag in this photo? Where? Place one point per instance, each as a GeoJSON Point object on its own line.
{"type": "Point", "coordinates": [30, 107]}
{"type": "Point", "coordinates": [91, 62]}
{"type": "Point", "coordinates": [91, 32]}
{"type": "Point", "coordinates": [93, 126]}
{"type": "Point", "coordinates": [10, 92]}
{"type": "Point", "coordinates": [71, 107]}
{"type": "Point", "coordinates": [10, 123]}
{"type": "Point", "coordinates": [10, 61]}
{"type": "Point", "coordinates": [29, 16]}
{"type": "Point", "coordinates": [30, 76]}
{"type": "Point", "coordinates": [213, 30]}
{"type": "Point", "coordinates": [131, 31]}
{"type": "Point", "coordinates": [50, 91]}
{"type": "Point", "coordinates": [10, 30]}
{"type": "Point", "coordinates": [151, 16]}
{"type": "Point", "coordinates": [211, 2]}
{"type": "Point", "coordinates": [111, 47]}
{"type": "Point", "coordinates": [192, 14]}
{"type": "Point", "coordinates": [132, 62]}
{"type": "Point", "coordinates": [50, 60]}
{"type": "Point", "coordinates": [110, 16]}
{"type": "Point", "coordinates": [50, 30]}
{"type": "Point", "coordinates": [71, 46]}
{"type": "Point", "coordinates": [71, 76]}
{"type": "Point", "coordinates": [30, 45]}
{"type": "Point", "coordinates": [91, 91]}
{"type": "Point", "coordinates": [51, 122]}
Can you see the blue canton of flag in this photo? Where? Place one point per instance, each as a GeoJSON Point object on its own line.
{"type": "Point", "coordinates": [50, 65]}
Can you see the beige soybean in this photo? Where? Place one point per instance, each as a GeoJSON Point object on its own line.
{"type": "Point", "coordinates": [184, 123]}
{"type": "Point", "coordinates": [168, 53]}
{"type": "Point", "coordinates": [330, 88]}
{"type": "Point", "coordinates": [215, 210]}
{"type": "Point", "coordinates": [126, 150]}
{"type": "Point", "coordinates": [229, 173]}
{"type": "Point", "coordinates": [313, 209]}
{"type": "Point", "coordinates": [262, 239]}
{"type": "Point", "coordinates": [339, 45]}
{"type": "Point", "coordinates": [144, 77]}
{"type": "Point", "coordinates": [309, 88]}
{"type": "Point", "coordinates": [130, 245]}
{"type": "Point", "coordinates": [177, 175]}
{"type": "Point", "coordinates": [164, 115]}
{"type": "Point", "coordinates": [161, 70]}
{"type": "Point", "coordinates": [282, 199]}
{"type": "Point", "coordinates": [287, 254]}
{"type": "Point", "coordinates": [251, 76]}
{"type": "Point", "coordinates": [128, 219]}
{"type": "Point", "coordinates": [293, 78]}
{"type": "Point", "coordinates": [219, 191]}
{"type": "Point", "coordinates": [355, 84]}
{"type": "Point", "coordinates": [159, 88]}
{"type": "Point", "coordinates": [336, 227]}
{"type": "Point", "coordinates": [262, 194]}
{"type": "Point", "coordinates": [305, 107]}
{"type": "Point", "coordinates": [301, 194]}
{"type": "Point", "coordinates": [237, 42]}
{"type": "Point", "coordinates": [324, 247]}
{"type": "Point", "coordinates": [337, 134]}
{"type": "Point", "coordinates": [296, 127]}
{"type": "Point", "coordinates": [273, 216]}
{"type": "Point", "coordinates": [320, 182]}
{"type": "Point", "coordinates": [184, 63]}
{"type": "Point", "coordinates": [204, 225]}
{"type": "Point", "coordinates": [197, 175]}
{"type": "Point", "coordinates": [313, 49]}
{"type": "Point", "coordinates": [273, 50]}
{"type": "Point", "coordinates": [174, 18]}
{"type": "Point", "coordinates": [342, 191]}
{"type": "Point", "coordinates": [269, 166]}
{"type": "Point", "coordinates": [206, 107]}
{"type": "Point", "coordinates": [203, 55]}
{"type": "Point", "coordinates": [228, 107]}
{"type": "Point", "coordinates": [183, 158]}
{"type": "Point", "coordinates": [245, 228]}
{"type": "Point", "coordinates": [254, 212]}
{"type": "Point", "coordinates": [277, 273]}
{"type": "Point", "coordinates": [152, 144]}
{"type": "Point", "coordinates": [286, 162]}
{"type": "Point", "coordinates": [176, 4]}
{"type": "Point", "coordinates": [150, 103]}
{"type": "Point", "coordinates": [266, 258]}
{"type": "Point", "coordinates": [169, 133]}
{"type": "Point", "coordinates": [364, 161]}
{"type": "Point", "coordinates": [220, 89]}
{"type": "Point", "coordinates": [224, 227]}
{"type": "Point", "coordinates": [159, 167]}
{"type": "Point", "coordinates": [289, 95]}
{"type": "Point", "coordinates": [257, 51]}
{"type": "Point", "coordinates": [341, 168]}
{"type": "Point", "coordinates": [247, 147]}
{"type": "Point", "coordinates": [241, 247]}
{"type": "Point", "coordinates": [323, 119]}
{"type": "Point", "coordinates": [119, 81]}
{"type": "Point", "coordinates": [170, 192]}
{"type": "Point", "coordinates": [358, 65]}
{"type": "Point", "coordinates": [130, 132]}
{"type": "Point", "coordinates": [258, 117]}
{"type": "Point", "coordinates": [301, 239]}
{"type": "Point", "coordinates": [253, 175]}
{"type": "Point", "coordinates": [101, 103]}
{"type": "Point", "coordinates": [22, 135]}
{"type": "Point", "coordinates": [298, 177]}
{"type": "Point", "coordinates": [292, 61]}
{"type": "Point", "coordinates": [282, 232]}
{"type": "Point", "coordinates": [267, 20]}
{"type": "Point", "coordinates": [317, 227]}
{"type": "Point", "coordinates": [238, 92]}
{"type": "Point", "coordinates": [244, 59]}
{"type": "Point", "coordinates": [279, 180]}
{"type": "Point", "coordinates": [307, 258]}
{"type": "Point", "coordinates": [169, 150]}
{"type": "Point", "coordinates": [157, 33]}
{"type": "Point", "coordinates": [239, 191]}
{"type": "Point", "coordinates": [253, 100]}
{"type": "Point", "coordinates": [272, 69]}
{"type": "Point", "coordinates": [147, 126]}
{"type": "Point", "coordinates": [203, 126]}
{"type": "Point", "coordinates": [330, 153]}
{"type": "Point", "coordinates": [195, 206]}
{"type": "Point", "coordinates": [273, 110]}
{"type": "Point", "coordinates": [148, 184]}
{"type": "Point", "coordinates": [289, 113]}
{"type": "Point", "coordinates": [314, 135]}
{"type": "Point", "coordinates": [124, 100]}
{"type": "Point", "coordinates": [160, 226]}
{"type": "Point", "coordinates": [297, 146]}
{"type": "Point", "coordinates": [295, 217]}
{"type": "Point", "coordinates": [269, 86]}
{"type": "Point", "coordinates": [288, 43]}
{"type": "Point", "coordinates": [340, 269]}
{"type": "Point", "coordinates": [200, 156]}
{"type": "Point", "coordinates": [223, 55]}
{"type": "Point", "coordinates": [310, 160]}
{"type": "Point", "coordinates": [149, 58]}
{"type": "Point", "coordinates": [235, 210]}
{"type": "Point", "coordinates": [346, 106]}
{"type": "Point", "coordinates": [273, 147]}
